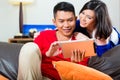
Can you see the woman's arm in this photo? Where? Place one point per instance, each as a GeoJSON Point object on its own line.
{"type": "Point", "coordinates": [104, 45]}
{"type": "Point", "coordinates": [80, 36]}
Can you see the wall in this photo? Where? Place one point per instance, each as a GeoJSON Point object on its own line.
{"type": "Point", "coordinates": [40, 12]}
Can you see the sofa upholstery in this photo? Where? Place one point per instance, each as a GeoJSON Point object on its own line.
{"type": "Point", "coordinates": [9, 53]}
{"type": "Point", "coordinates": [109, 63]}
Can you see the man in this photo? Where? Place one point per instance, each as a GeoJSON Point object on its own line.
{"type": "Point", "coordinates": [65, 22]}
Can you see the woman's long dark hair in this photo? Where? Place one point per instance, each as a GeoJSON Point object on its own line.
{"type": "Point", "coordinates": [103, 22]}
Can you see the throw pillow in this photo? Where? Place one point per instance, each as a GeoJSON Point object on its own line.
{"type": "Point", "coordinates": [73, 71]}
{"type": "Point", "coordinates": [2, 77]}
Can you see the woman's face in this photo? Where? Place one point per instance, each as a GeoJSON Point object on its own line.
{"type": "Point", "coordinates": [87, 19]}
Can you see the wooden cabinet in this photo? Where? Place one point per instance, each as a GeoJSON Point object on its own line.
{"type": "Point", "coordinates": [20, 40]}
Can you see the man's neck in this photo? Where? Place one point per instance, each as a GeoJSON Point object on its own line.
{"type": "Point", "coordinates": [61, 37]}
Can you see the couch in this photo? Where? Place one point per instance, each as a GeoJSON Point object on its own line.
{"type": "Point", "coordinates": [9, 53]}
{"type": "Point", "coordinates": [109, 63]}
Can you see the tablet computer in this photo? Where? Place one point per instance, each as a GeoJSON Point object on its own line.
{"type": "Point", "coordinates": [87, 45]}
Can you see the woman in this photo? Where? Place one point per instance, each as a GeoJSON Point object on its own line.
{"type": "Point", "coordinates": [95, 23]}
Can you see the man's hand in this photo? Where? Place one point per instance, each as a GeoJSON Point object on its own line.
{"type": "Point", "coordinates": [53, 50]}
{"type": "Point", "coordinates": [77, 55]}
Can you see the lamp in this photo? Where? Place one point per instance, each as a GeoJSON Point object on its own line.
{"type": "Point", "coordinates": [20, 3]}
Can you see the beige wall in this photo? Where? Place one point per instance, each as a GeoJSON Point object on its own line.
{"type": "Point", "coordinates": [40, 12]}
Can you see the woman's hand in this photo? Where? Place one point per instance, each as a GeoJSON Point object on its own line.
{"type": "Point", "coordinates": [53, 50]}
{"type": "Point", "coordinates": [102, 41]}
{"type": "Point", "coordinates": [77, 55]}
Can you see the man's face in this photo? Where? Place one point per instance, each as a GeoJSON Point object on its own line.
{"type": "Point", "coordinates": [65, 21]}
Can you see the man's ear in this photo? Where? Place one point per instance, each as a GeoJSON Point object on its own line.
{"type": "Point", "coordinates": [53, 20]}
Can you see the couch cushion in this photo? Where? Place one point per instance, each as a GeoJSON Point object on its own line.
{"type": "Point", "coordinates": [109, 63]}
{"type": "Point", "coordinates": [9, 53]}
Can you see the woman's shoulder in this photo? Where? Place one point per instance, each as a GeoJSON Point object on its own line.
{"type": "Point", "coordinates": [115, 36]}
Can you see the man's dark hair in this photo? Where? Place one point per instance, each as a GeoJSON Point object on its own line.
{"type": "Point", "coordinates": [63, 6]}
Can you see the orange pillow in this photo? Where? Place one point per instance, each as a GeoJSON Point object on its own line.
{"type": "Point", "coordinates": [73, 71]}
{"type": "Point", "coordinates": [2, 77]}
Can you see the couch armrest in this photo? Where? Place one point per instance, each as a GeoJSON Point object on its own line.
{"type": "Point", "coordinates": [9, 53]}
